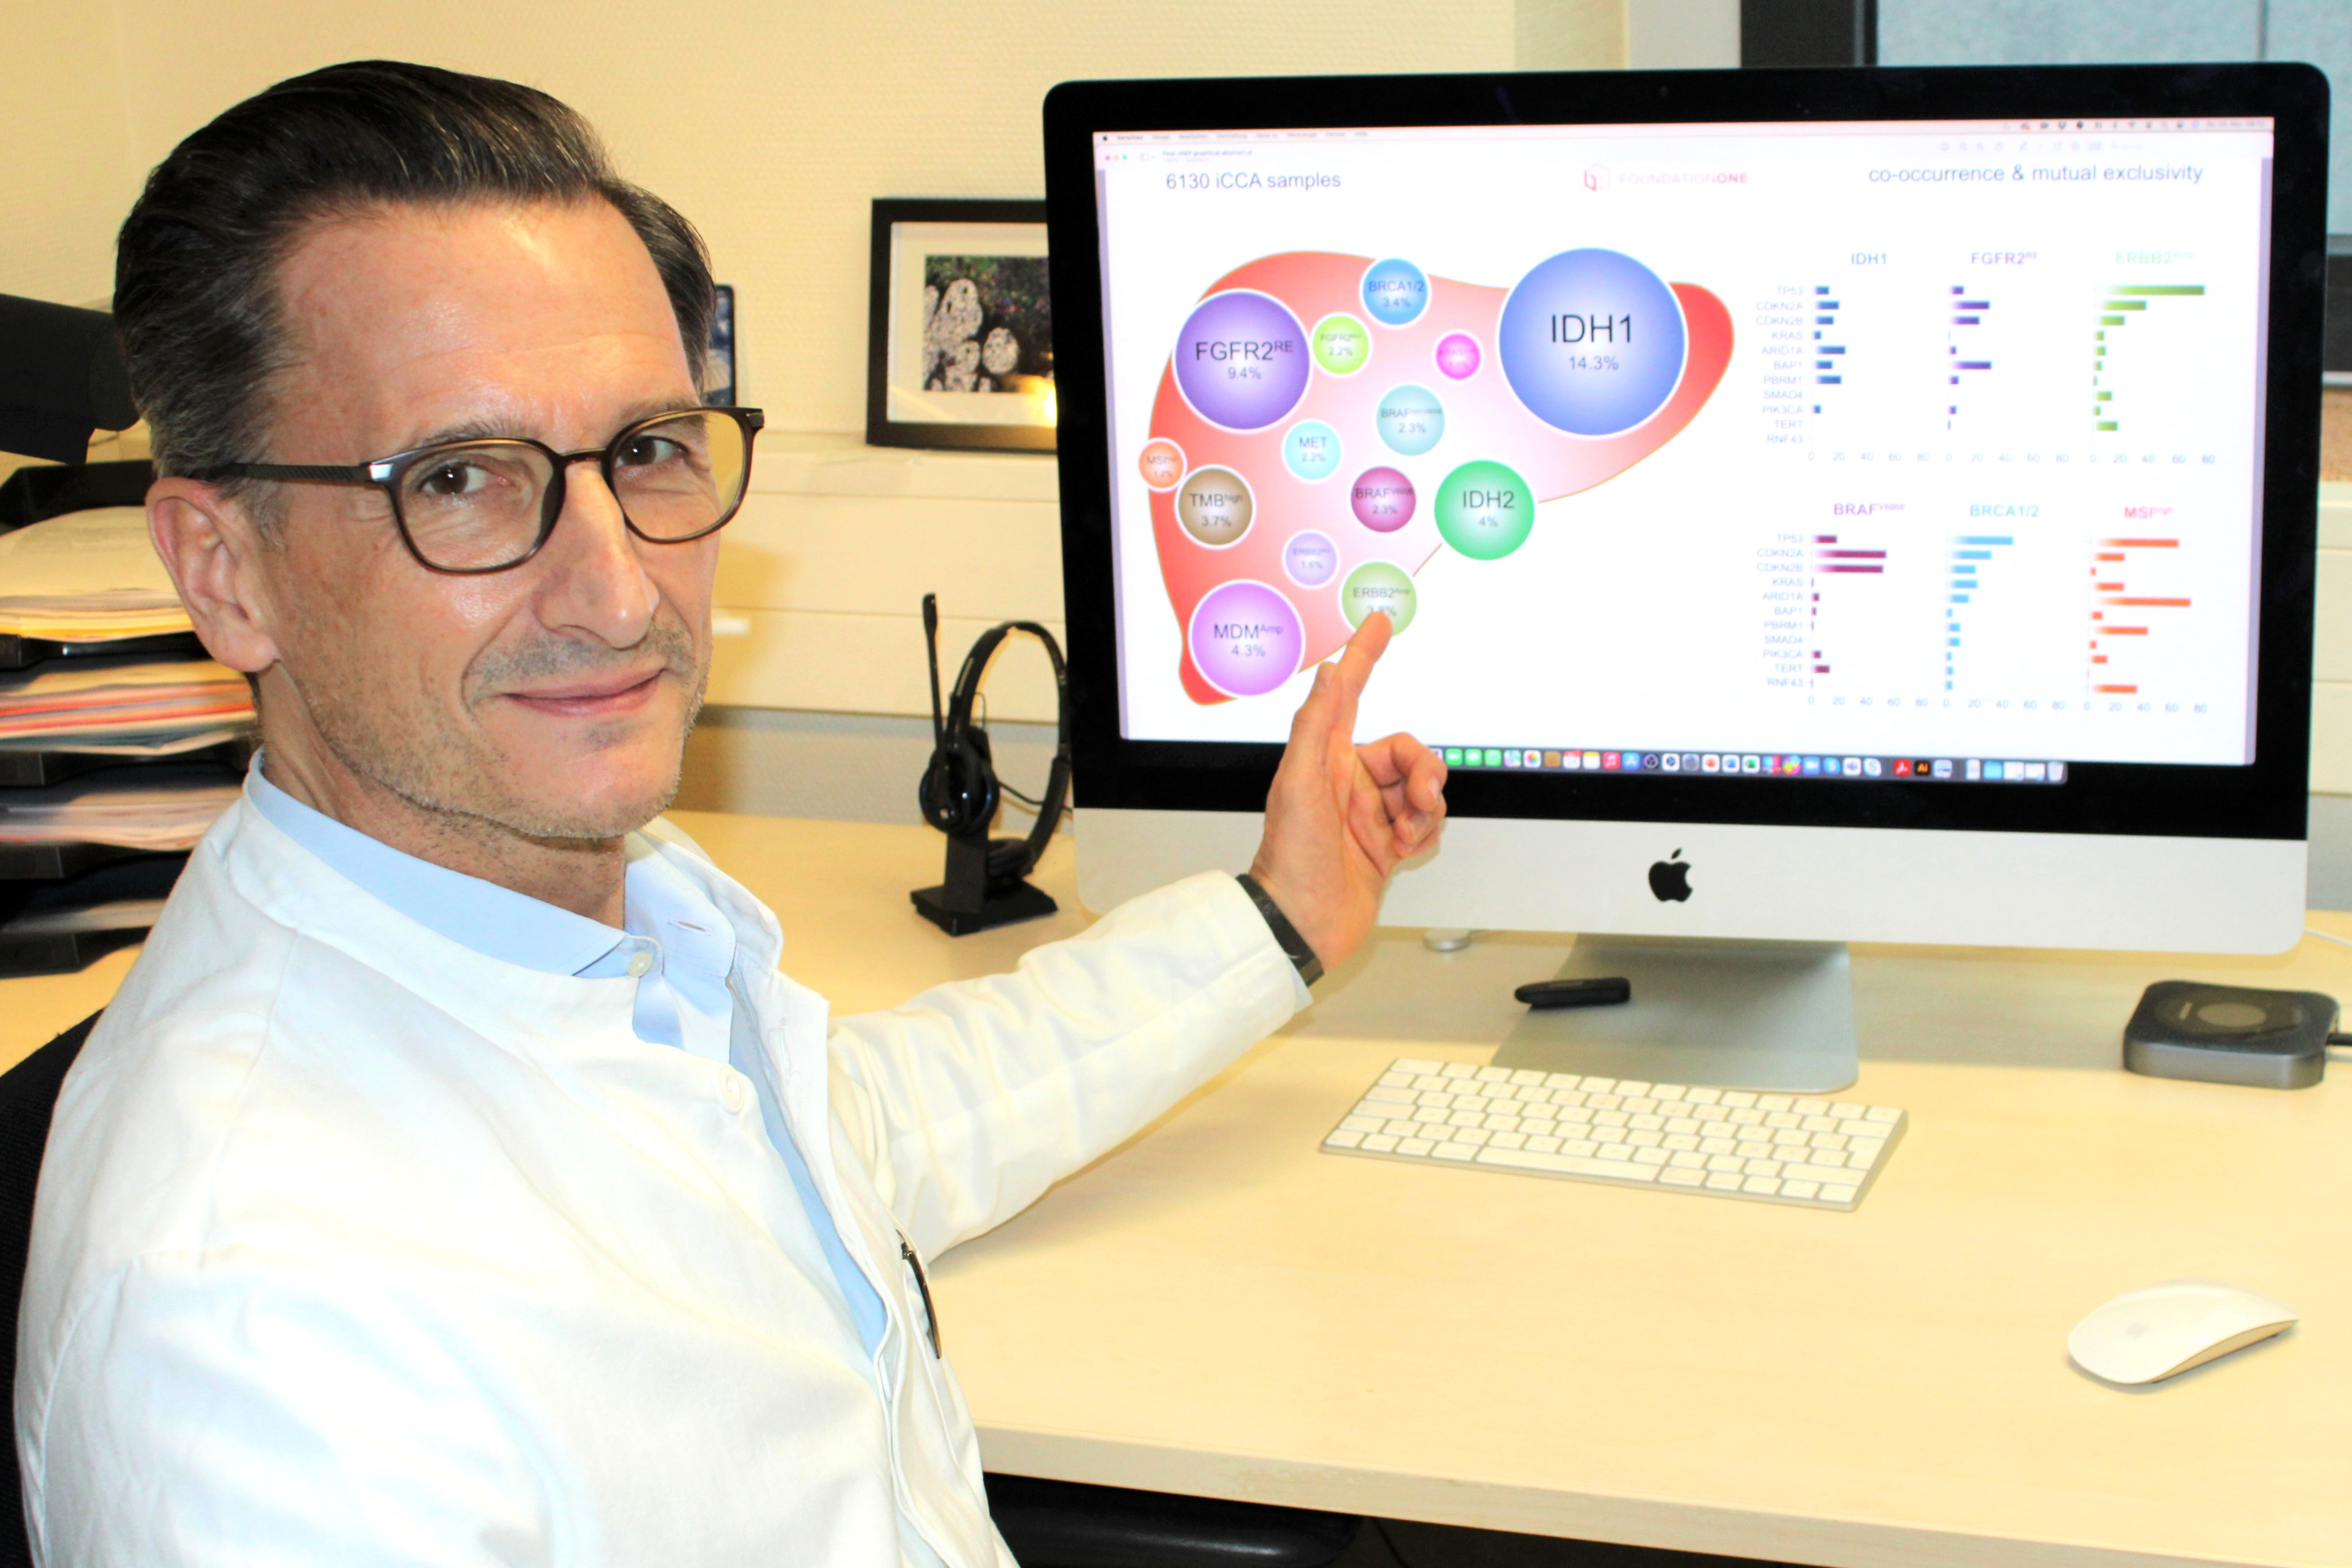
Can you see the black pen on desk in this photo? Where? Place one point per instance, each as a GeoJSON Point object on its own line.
{"type": "Point", "coordinates": [1601, 991]}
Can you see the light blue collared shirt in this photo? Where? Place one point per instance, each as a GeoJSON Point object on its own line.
{"type": "Point", "coordinates": [675, 943]}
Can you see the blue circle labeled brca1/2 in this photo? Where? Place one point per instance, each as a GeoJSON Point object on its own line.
{"type": "Point", "coordinates": [1395, 292]}
{"type": "Point", "coordinates": [1311, 450]}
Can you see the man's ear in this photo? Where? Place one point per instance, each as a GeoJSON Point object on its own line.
{"type": "Point", "coordinates": [213, 550]}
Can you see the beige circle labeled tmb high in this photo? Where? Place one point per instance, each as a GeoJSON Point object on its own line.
{"type": "Point", "coordinates": [1214, 506]}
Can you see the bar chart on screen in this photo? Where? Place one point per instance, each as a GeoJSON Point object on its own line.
{"type": "Point", "coordinates": [2010, 478]}
{"type": "Point", "coordinates": [1980, 603]}
{"type": "Point", "coordinates": [1950, 368]}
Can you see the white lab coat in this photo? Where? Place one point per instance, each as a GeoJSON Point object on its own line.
{"type": "Point", "coordinates": [354, 1246]}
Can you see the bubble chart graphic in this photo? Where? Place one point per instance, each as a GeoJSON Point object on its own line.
{"type": "Point", "coordinates": [1592, 342]}
{"type": "Point", "coordinates": [1383, 499]}
{"type": "Point", "coordinates": [1242, 360]}
{"type": "Point", "coordinates": [1162, 462]}
{"type": "Point", "coordinates": [1342, 344]}
{"type": "Point", "coordinates": [1245, 637]}
{"type": "Point", "coordinates": [1214, 506]}
{"type": "Point", "coordinates": [1310, 559]}
{"type": "Point", "coordinates": [1301, 542]}
{"type": "Point", "coordinates": [1411, 418]}
{"type": "Point", "coordinates": [1374, 587]}
{"type": "Point", "coordinates": [1485, 510]}
{"type": "Point", "coordinates": [1395, 292]}
{"type": "Point", "coordinates": [1311, 450]}
{"type": "Point", "coordinates": [1458, 356]}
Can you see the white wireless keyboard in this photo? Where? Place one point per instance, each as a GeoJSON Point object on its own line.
{"type": "Point", "coordinates": [1724, 1143]}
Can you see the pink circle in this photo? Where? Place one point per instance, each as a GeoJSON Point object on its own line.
{"type": "Point", "coordinates": [1246, 639]}
{"type": "Point", "coordinates": [1457, 356]}
{"type": "Point", "coordinates": [1383, 499]}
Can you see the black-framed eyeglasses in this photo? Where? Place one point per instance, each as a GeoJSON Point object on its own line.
{"type": "Point", "coordinates": [471, 507]}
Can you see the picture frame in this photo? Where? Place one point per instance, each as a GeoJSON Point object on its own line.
{"type": "Point", "coordinates": [960, 327]}
{"type": "Point", "coordinates": [724, 370]}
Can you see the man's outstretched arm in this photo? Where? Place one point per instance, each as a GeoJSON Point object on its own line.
{"type": "Point", "coordinates": [1342, 817]}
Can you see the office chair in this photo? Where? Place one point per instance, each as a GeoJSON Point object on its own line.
{"type": "Point", "coordinates": [1062, 1524]}
{"type": "Point", "coordinates": [29, 1094]}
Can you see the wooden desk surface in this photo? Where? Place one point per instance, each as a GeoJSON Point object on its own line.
{"type": "Point", "coordinates": [1219, 1308]}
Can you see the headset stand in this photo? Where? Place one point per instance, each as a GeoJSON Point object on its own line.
{"type": "Point", "coordinates": [965, 903]}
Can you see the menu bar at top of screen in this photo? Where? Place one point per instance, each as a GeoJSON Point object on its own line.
{"type": "Point", "coordinates": [1109, 144]}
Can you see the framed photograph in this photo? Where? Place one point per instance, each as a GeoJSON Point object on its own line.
{"type": "Point", "coordinates": [722, 373]}
{"type": "Point", "coordinates": [960, 347]}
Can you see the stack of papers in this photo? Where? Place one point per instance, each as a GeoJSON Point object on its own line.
{"type": "Point", "coordinates": [64, 925]}
{"type": "Point", "coordinates": [89, 580]}
{"type": "Point", "coordinates": [153, 809]}
{"type": "Point", "coordinates": [87, 577]}
{"type": "Point", "coordinates": [127, 706]}
{"type": "Point", "coordinates": [122, 915]}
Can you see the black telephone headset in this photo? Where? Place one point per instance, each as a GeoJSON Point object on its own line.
{"type": "Point", "coordinates": [960, 792]}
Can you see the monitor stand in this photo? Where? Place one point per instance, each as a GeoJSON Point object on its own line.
{"type": "Point", "coordinates": [1735, 1015]}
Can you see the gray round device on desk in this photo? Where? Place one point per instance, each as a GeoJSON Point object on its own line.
{"type": "Point", "coordinates": [2230, 1034]}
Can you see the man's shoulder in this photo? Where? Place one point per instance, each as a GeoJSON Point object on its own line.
{"type": "Point", "coordinates": [228, 1078]}
{"type": "Point", "coordinates": [158, 1088]}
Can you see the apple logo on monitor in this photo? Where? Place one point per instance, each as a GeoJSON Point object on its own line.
{"type": "Point", "coordinates": [1670, 879]}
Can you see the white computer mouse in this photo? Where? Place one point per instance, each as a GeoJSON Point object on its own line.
{"type": "Point", "coordinates": [2147, 1336]}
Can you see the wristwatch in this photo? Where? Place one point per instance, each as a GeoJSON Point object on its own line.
{"type": "Point", "coordinates": [1294, 946]}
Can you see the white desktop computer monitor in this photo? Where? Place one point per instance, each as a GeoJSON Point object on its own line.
{"type": "Point", "coordinates": [1813, 506]}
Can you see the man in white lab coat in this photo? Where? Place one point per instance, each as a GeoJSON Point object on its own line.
{"type": "Point", "coordinates": [455, 1179]}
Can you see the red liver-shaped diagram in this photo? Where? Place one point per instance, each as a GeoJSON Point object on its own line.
{"type": "Point", "coordinates": [1295, 483]}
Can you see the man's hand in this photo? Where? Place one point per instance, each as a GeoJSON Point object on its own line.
{"type": "Point", "coordinates": [1342, 816]}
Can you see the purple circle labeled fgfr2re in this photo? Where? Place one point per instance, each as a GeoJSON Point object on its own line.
{"type": "Point", "coordinates": [1457, 356]}
{"type": "Point", "coordinates": [1242, 360]}
{"type": "Point", "coordinates": [1246, 638]}
{"type": "Point", "coordinates": [1383, 499]}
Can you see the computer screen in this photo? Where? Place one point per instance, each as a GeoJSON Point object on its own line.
{"type": "Point", "coordinates": [1922, 460]}
{"type": "Point", "coordinates": [1856, 447]}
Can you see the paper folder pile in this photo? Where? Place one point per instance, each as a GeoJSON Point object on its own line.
{"type": "Point", "coordinates": [157, 811]}
{"type": "Point", "coordinates": [136, 707]}
{"type": "Point", "coordinates": [73, 588]}
{"type": "Point", "coordinates": [87, 577]}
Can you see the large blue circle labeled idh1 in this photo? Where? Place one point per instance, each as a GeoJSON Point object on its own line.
{"type": "Point", "coordinates": [1592, 342]}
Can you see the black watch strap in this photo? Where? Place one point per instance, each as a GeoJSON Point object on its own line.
{"type": "Point", "coordinates": [1294, 946]}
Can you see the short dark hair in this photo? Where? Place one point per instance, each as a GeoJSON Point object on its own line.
{"type": "Point", "coordinates": [195, 268]}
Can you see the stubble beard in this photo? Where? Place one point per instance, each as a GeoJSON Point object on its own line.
{"type": "Point", "coordinates": [463, 782]}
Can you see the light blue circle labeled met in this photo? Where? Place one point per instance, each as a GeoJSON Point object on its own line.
{"type": "Point", "coordinates": [1311, 449]}
{"type": "Point", "coordinates": [1395, 292]}
{"type": "Point", "coordinates": [1411, 418]}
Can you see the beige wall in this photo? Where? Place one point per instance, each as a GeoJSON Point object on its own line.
{"type": "Point", "coordinates": [66, 181]}
{"type": "Point", "coordinates": [772, 123]}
